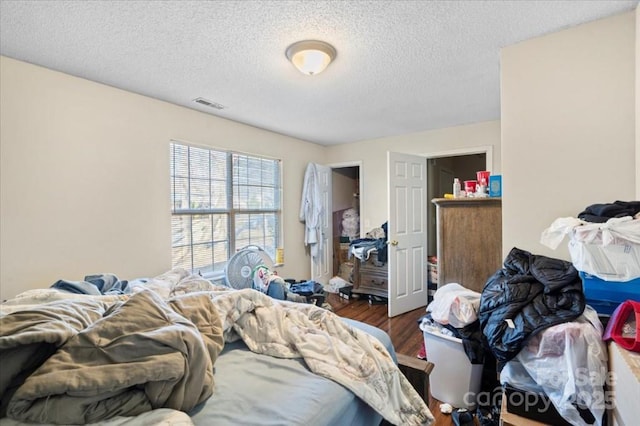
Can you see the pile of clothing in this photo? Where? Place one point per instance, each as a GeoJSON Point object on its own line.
{"type": "Point", "coordinates": [600, 213]}
{"type": "Point", "coordinates": [374, 242]}
{"type": "Point", "coordinates": [545, 339]}
{"type": "Point", "coordinates": [604, 240]}
{"type": "Point", "coordinates": [532, 323]}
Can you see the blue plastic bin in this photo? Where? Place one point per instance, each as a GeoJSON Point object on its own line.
{"type": "Point", "coordinates": [605, 296]}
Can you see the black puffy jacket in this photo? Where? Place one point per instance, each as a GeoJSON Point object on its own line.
{"type": "Point", "coordinates": [533, 292]}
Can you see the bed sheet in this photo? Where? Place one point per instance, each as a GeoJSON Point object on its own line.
{"type": "Point", "coordinates": [253, 389]}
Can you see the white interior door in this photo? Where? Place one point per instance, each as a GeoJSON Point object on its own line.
{"type": "Point", "coordinates": [407, 232]}
{"type": "Point", "coordinates": [322, 267]}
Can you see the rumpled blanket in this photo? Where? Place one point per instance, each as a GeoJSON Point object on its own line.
{"type": "Point", "coordinates": [96, 284]}
{"type": "Point", "coordinates": [159, 417]}
{"type": "Point", "coordinates": [329, 347]}
{"type": "Point", "coordinates": [156, 348]}
{"type": "Point", "coordinates": [119, 360]}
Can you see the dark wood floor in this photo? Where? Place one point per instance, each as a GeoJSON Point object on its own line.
{"type": "Point", "coordinates": [403, 330]}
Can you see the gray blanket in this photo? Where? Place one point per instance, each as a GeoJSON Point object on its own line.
{"type": "Point", "coordinates": [118, 360]}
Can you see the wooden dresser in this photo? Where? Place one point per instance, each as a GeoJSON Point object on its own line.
{"type": "Point", "coordinates": [469, 240]}
{"type": "Point", "coordinates": [369, 278]}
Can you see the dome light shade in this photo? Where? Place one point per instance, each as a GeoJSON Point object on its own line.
{"type": "Point", "coordinates": [311, 57]}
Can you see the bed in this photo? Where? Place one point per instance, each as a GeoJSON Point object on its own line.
{"type": "Point", "coordinates": [179, 350]}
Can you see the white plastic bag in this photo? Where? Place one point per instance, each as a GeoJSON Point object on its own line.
{"type": "Point", "coordinates": [568, 362]}
{"type": "Point", "coordinates": [609, 251]}
{"type": "Point", "coordinates": [454, 305]}
{"type": "Point", "coordinates": [335, 284]}
{"type": "Point", "coordinates": [555, 233]}
{"type": "Point", "coordinates": [615, 262]}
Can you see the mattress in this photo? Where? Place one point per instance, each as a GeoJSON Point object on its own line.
{"type": "Point", "coordinates": [253, 389]}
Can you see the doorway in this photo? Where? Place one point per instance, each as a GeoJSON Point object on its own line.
{"type": "Point", "coordinates": [345, 197]}
{"type": "Point", "coordinates": [347, 185]}
{"type": "Point", "coordinates": [440, 174]}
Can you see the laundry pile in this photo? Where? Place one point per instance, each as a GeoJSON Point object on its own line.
{"type": "Point", "coordinates": [546, 340]}
{"type": "Point", "coordinates": [604, 239]}
{"type": "Point", "coordinates": [374, 245]}
{"type": "Point", "coordinates": [532, 325]}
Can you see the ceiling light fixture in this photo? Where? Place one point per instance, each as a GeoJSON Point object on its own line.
{"type": "Point", "coordinates": [311, 57]}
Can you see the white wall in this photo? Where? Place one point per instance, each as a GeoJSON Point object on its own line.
{"type": "Point", "coordinates": [343, 187]}
{"type": "Point", "coordinates": [568, 123]}
{"type": "Point", "coordinates": [373, 153]}
{"type": "Point", "coordinates": [85, 178]}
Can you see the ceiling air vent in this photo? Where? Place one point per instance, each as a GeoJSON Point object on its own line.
{"type": "Point", "coordinates": [205, 102]}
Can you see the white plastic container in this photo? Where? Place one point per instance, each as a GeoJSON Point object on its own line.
{"type": "Point", "coordinates": [456, 188]}
{"type": "Point", "coordinates": [454, 379]}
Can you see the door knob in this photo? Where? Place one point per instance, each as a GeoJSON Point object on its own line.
{"type": "Point", "coordinates": [394, 243]}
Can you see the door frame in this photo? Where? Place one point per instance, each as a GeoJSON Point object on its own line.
{"type": "Point", "coordinates": [487, 150]}
{"type": "Point", "coordinates": [484, 149]}
{"type": "Point", "coordinates": [357, 164]}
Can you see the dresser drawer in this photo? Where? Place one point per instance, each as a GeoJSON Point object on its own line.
{"type": "Point", "coordinates": [374, 286]}
{"type": "Point", "coordinates": [368, 269]}
{"type": "Point", "coordinates": [374, 280]}
{"type": "Point", "coordinates": [371, 279]}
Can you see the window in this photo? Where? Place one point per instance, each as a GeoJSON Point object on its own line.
{"type": "Point", "coordinates": [221, 201]}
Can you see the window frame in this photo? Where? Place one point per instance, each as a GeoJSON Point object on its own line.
{"type": "Point", "coordinates": [216, 269]}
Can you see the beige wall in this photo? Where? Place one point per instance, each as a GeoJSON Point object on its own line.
{"type": "Point", "coordinates": [83, 164]}
{"type": "Point", "coordinates": [567, 127]}
{"type": "Point", "coordinates": [373, 154]}
{"type": "Point", "coordinates": [85, 182]}
{"type": "Point", "coordinates": [343, 188]}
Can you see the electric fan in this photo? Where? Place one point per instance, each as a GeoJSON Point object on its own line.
{"type": "Point", "coordinates": [239, 270]}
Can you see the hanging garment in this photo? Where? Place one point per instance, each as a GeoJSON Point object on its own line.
{"type": "Point", "coordinates": [311, 210]}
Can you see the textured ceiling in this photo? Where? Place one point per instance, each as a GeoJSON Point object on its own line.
{"type": "Point", "coordinates": [402, 66]}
